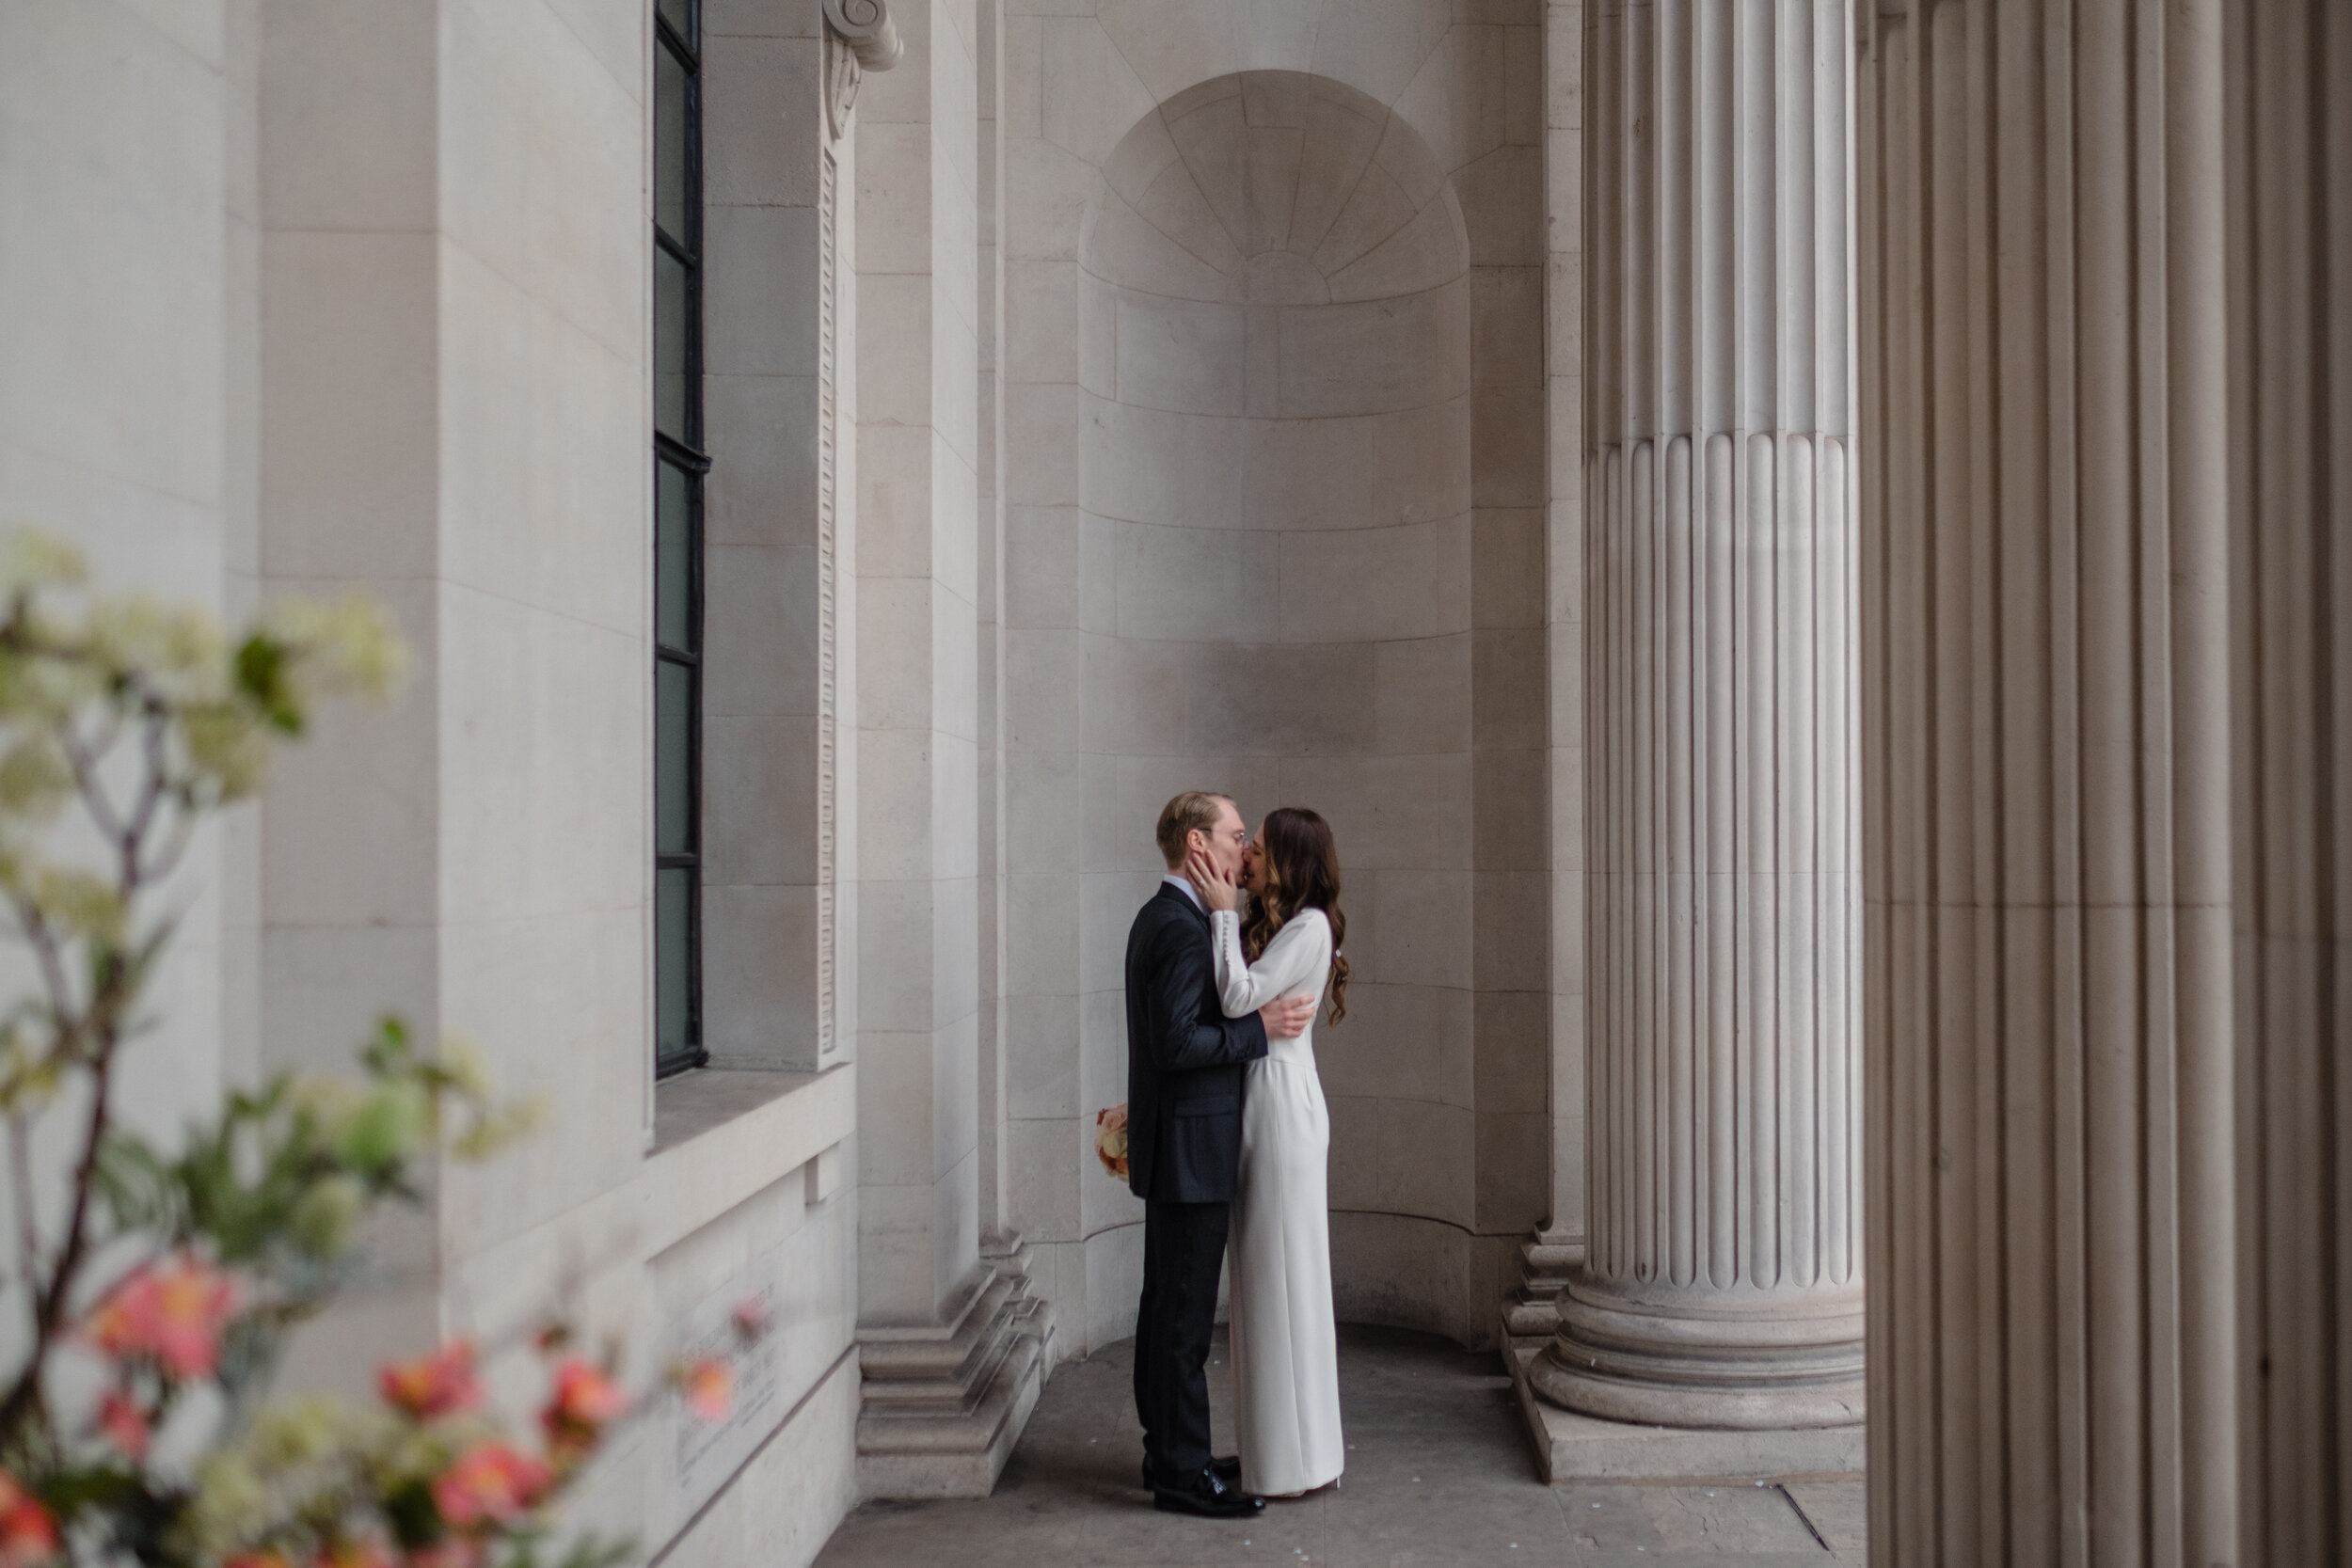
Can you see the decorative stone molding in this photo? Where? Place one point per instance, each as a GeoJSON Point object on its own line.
{"type": "Point", "coordinates": [859, 37]}
{"type": "Point", "coordinates": [1531, 1313]}
{"type": "Point", "coordinates": [828, 611]}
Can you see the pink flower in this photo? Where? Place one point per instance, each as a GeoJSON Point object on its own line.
{"type": "Point", "coordinates": [28, 1533]}
{"type": "Point", "coordinates": [751, 1318]}
{"type": "Point", "coordinates": [709, 1389]}
{"type": "Point", "coordinates": [490, 1483]}
{"type": "Point", "coordinates": [124, 1424]}
{"type": "Point", "coordinates": [173, 1312]}
{"type": "Point", "coordinates": [441, 1383]}
{"type": "Point", "coordinates": [584, 1399]}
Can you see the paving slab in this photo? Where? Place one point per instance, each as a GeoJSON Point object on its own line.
{"type": "Point", "coordinates": [1439, 1476]}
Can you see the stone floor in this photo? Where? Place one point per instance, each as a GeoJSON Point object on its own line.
{"type": "Point", "coordinates": [1438, 1473]}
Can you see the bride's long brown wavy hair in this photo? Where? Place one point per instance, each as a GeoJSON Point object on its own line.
{"type": "Point", "coordinates": [1302, 872]}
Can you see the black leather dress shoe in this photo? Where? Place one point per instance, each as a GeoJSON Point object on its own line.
{"type": "Point", "coordinates": [1228, 1470]}
{"type": "Point", "coordinates": [1208, 1498]}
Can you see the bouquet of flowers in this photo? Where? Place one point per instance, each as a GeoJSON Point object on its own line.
{"type": "Point", "coordinates": [1110, 1140]}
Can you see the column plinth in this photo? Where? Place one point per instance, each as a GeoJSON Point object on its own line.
{"type": "Point", "coordinates": [1705, 1357]}
{"type": "Point", "coordinates": [1721, 1285]}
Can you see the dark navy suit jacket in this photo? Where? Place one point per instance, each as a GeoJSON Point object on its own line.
{"type": "Point", "coordinates": [1184, 1058]}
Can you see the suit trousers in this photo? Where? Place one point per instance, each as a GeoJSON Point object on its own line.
{"type": "Point", "coordinates": [1183, 1249]}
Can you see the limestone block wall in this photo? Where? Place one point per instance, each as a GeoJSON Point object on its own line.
{"type": "Point", "coordinates": [1273, 393]}
{"type": "Point", "coordinates": [127, 314]}
{"type": "Point", "coordinates": [341, 296]}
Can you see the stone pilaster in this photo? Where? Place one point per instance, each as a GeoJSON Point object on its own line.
{"type": "Point", "coordinates": [953, 1346]}
{"type": "Point", "coordinates": [2046, 583]}
{"type": "Point", "coordinates": [1721, 1285]}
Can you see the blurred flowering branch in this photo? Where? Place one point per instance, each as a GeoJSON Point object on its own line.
{"type": "Point", "coordinates": [173, 1273]}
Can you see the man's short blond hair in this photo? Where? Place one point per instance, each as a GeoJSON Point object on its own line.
{"type": "Point", "coordinates": [1193, 809]}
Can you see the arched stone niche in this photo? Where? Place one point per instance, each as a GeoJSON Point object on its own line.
{"type": "Point", "coordinates": [1273, 490]}
{"type": "Point", "coordinates": [1275, 472]}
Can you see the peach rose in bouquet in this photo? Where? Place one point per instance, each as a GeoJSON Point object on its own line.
{"type": "Point", "coordinates": [1110, 1140]}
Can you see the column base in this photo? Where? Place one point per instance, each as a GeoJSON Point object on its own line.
{"type": "Point", "coordinates": [942, 1406]}
{"type": "Point", "coordinates": [1717, 1362]}
{"type": "Point", "coordinates": [1569, 1447]}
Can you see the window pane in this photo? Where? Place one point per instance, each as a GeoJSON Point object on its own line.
{"type": "Point", "coordinates": [674, 558]}
{"type": "Point", "coordinates": [680, 14]}
{"type": "Point", "coordinates": [673, 758]}
{"type": "Point", "coordinates": [674, 963]}
{"type": "Point", "coordinates": [670, 145]}
{"type": "Point", "coordinates": [672, 319]}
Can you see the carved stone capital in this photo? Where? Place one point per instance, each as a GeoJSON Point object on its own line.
{"type": "Point", "coordinates": [866, 27]}
{"type": "Point", "coordinates": [859, 37]}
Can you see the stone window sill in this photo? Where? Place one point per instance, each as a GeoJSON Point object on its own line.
{"type": "Point", "coordinates": [725, 1127]}
{"type": "Point", "coordinates": [722, 1132]}
{"type": "Point", "coordinates": [692, 1104]}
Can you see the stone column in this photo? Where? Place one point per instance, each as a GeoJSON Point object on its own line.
{"type": "Point", "coordinates": [2054, 1345]}
{"type": "Point", "coordinates": [1722, 1281]}
{"type": "Point", "coordinates": [2290, 232]}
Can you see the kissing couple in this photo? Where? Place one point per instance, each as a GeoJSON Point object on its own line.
{"type": "Point", "coordinates": [1227, 1138]}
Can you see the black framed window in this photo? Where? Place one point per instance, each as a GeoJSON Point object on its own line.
{"type": "Point", "coordinates": [679, 466]}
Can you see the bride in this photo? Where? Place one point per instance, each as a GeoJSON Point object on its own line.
{"type": "Point", "coordinates": [1285, 1352]}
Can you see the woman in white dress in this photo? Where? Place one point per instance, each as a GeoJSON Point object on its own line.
{"type": "Point", "coordinates": [1286, 1370]}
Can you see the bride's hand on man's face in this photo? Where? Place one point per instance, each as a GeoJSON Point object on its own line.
{"type": "Point", "coordinates": [1215, 887]}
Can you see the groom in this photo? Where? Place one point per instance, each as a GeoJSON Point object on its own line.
{"type": "Point", "coordinates": [1184, 1062]}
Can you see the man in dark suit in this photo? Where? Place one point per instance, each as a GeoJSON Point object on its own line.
{"type": "Point", "coordinates": [1184, 1062]}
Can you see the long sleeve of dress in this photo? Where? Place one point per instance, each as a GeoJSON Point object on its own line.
{"type": "Point", "coordinates": [1298, 955]}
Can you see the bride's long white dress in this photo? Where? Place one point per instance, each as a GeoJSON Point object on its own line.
{"type": "Point", "coordinates": [1286, 1364]}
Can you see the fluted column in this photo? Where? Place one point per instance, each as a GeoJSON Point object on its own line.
{"type": "Point", "coordinates": [2046, 585]}
{"type": "Point", "coordinates": [1723, 1284]}
{"type": "Point", "coordinates": [2290, 232]}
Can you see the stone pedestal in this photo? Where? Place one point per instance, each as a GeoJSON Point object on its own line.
{"type": "Point", "coordinates": [1570, 1446]}
{"type": "Point", "coordinates": [1721, 1285]}
{"type": "Point", "coordinates": [944, 1404]}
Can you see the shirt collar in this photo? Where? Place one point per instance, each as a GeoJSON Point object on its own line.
{"type": "Point", "coordinates": [1184, 886]}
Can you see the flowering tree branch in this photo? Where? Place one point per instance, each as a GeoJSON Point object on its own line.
{"type": "Point", "coordinates": [125, 726]}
